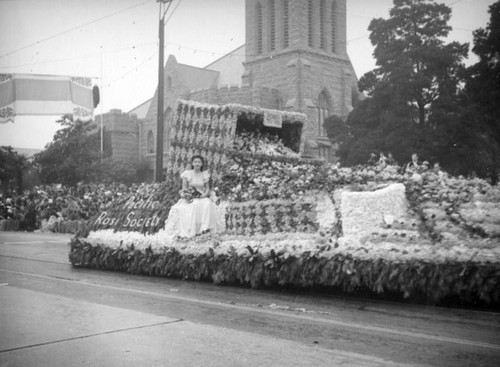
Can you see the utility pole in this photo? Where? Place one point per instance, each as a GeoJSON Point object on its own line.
{"type": "Point", "coordinates": [160, 112]}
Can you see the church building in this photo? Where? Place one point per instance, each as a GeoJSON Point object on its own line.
{"type": "Point", "coordinates": [294, 59]}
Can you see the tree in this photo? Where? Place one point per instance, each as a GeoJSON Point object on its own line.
{"type": "Point", "coordinates": [119, 171]}
{"type": "Point", "coordinates": [482, 89]}
{"type": "Point", "coordinates": [74, 156]}
{"type": "Point", "coordinates": [12, 165]}
{"type": "Point", "coordinates": [69, 158]}
{"type": "Point", "coordinates": [415, 99]}
{"type": "Point", "coordinates": [336, 129]}
{"type": "Point", "coordinates": [374, 127]}
{"type": "Point", "coordinates": [483, 84]}
{"type": "Point", "coordinates": [413, 63]}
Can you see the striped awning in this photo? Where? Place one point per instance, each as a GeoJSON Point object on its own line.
{"type": "Point", "coordinates": [30, 94]}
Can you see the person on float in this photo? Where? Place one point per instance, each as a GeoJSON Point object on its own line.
{"type": "Point", "coordinates": [382, 161]}
{"type": "Point", "coordinates": [373, 160]}
{"type": "Point", "coordinates": [390, 160]}
{"type": "Point", "coordinates": [437, 168]}
{"type": "Point", "coordinates": [198, 213]}
{"type": "Point", "coordinates": [414, 164]}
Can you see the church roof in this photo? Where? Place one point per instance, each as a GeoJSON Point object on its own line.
{"type": "Point", "coordinates": [230, 67]}
{"type": "Point", "coordinates": [142, 109]}
{"type": "Point", "coordinates": [196, 78]}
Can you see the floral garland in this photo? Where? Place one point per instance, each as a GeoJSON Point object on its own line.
{"type": "Point", "coordinates": [397, 249]}
{"type": "Point", "coordinates": [302, 259]}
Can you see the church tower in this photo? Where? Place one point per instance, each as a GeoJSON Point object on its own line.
{"type": "Point", "coordinates": [299, 48]}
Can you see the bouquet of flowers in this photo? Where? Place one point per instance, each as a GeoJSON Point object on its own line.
{"type": "Point", "coordinates": [189, 194]}
{"type": "Point", "coordinates": [214, 195]}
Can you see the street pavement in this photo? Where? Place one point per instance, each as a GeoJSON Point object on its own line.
{"type": "Point", "coordinates": [52, 314]}
{"type": "Point", "coordinates": [46, 330]}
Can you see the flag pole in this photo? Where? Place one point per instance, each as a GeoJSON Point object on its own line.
{"type": "Point", "coordinates": [159, 110]}
{"type": "Point", "coordinates": [102, 124]}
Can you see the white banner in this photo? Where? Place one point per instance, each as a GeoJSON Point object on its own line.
{"type": "Point", "coordinates": [273, 119]}
{"type": "Point", "coordinates": [26, 94]}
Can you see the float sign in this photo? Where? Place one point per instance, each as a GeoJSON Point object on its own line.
{"type": "Point", "coordinates": [134, 215]}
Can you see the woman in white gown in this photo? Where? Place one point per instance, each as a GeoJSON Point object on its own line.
{"type": "Point", "coordinates": [197, 213]}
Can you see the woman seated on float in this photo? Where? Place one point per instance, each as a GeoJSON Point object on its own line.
{"type": "Point", "coordinates": [197, 212]}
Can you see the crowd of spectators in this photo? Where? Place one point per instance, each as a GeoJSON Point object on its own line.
{"type": "Point", "coordinates": [42, 205]}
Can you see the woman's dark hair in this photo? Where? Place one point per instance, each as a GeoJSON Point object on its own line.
{"type": "Point", "coordinates": [201, 159]}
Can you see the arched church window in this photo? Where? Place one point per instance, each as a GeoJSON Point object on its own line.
{"type": "Point", "coordinates": [259, 29]}
{"type": "Point", "coordinates": [322, 35]}
{"type": "Point", "coordinates": [310, 19]}
{"type": "Point", "coordinates": [286, 21]}
{"type": "Point", "coordinates": [169, 82]}
{"type": "Point", "coordinates": [150, 143]}
{"type": "Point", "coordinates": [272, 16]}
{"type": "Point", "coordinates": [280, 103]}
{"type": "Point", "coordinates": [167, 122]}
{"type": "Point", "coordinates": [323, 112]}
{"type": "Point", "coordinates": [324, 152]}
{"type": "Point", "coordinates": [334, 25]}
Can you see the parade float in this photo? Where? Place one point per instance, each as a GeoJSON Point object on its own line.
{"type": "Point", "coordinates": [293, 222]}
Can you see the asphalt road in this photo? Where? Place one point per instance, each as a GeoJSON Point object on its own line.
{"type": "Point", "coordinates": [53, 314]}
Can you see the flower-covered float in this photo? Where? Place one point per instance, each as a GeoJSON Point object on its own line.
{"type": "Point", "coordinates": [290, 221]}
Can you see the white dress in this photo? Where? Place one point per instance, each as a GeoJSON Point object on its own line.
{"type": "Point", "coordinates": [199, 215]}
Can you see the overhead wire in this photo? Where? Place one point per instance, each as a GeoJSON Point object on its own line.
{"type": "Point", "coordinates": [181, 47]}
{"type": "Point", "coordinates": [130, 70]}
{"type": "Point", "coordinates": [455, 2]}
{"type": "Point", "coordinates": [195, 50]}
{"type": "Point", "coordinates": [91, 55]}
{"type": "Point", "coordinates": [173, 11]}
{"type": "Point", "coordinates": [356, 39]}
{"type": "Point", "coordinates": [73, 29]}
{"type": "Point", "coordinates": [148, 58]}
{"type": "Point", "coordinates": [362, 15]}
{"type": "Point", "coordinates": [116, 50]}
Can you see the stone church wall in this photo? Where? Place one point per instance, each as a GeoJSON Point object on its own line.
{"type": "Point", "coordinates": [262, 97]}
{"type": "Point", "coordinates": [122, 133]}
{"type": "Point", "coordinates": [294, 71]}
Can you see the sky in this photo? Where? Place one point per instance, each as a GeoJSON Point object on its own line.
{"type": "Point", "coordinates": [116, 42]}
